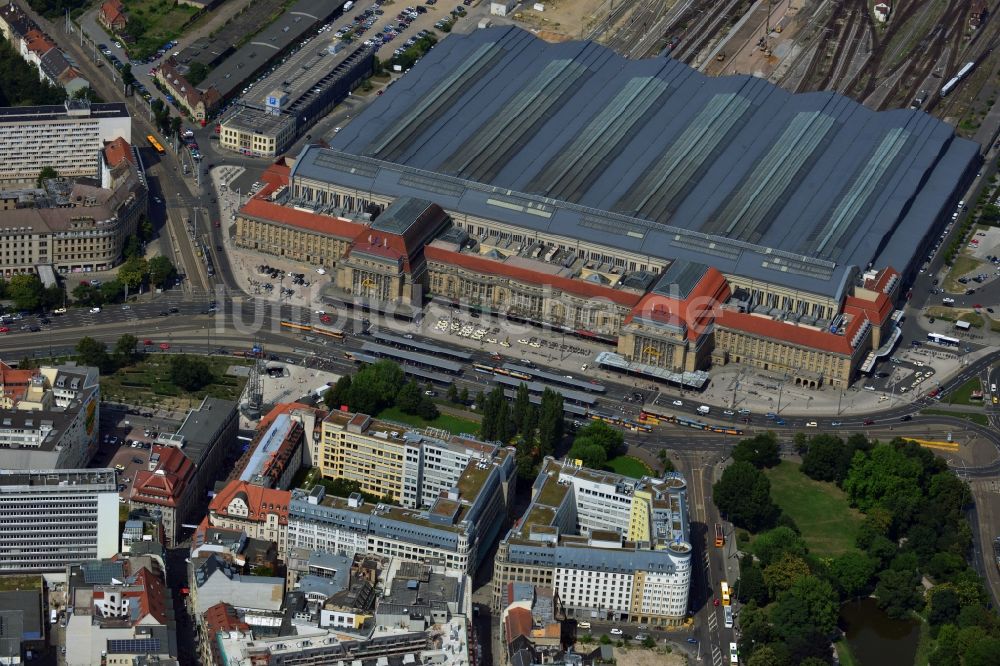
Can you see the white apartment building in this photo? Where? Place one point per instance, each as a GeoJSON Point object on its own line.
{"type": "Point", "coordinates": [53, 518]}
{"type": "Point", "coordinates": [613, 547]}
{"type": "Point", "coordinates": [68, 138]}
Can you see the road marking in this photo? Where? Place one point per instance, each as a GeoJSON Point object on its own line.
{"type": "Point", "coordinates": [716, 656]}
{"type": "Point", "coordinates": [713, 621]}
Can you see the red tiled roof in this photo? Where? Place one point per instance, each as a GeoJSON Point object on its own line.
{"type": "Point", "coordinates": [14, 382]}
{"type": "Point", "coordinates": [877, 311]}
{"type": "Point", "coordinates": [517, 623]}
{"type": "Point", "coordinates": [118, 150]}
{"type": "Point", "coordinates": [277, 175]}
{"type": "Point", "coordinates": [488, 266]}
{"type": "Point", "coordinates": [259, 500]}
{"type": "Point", "coordinates": [882, 279]}
{"type": "Point", "coordinates": [223, 617]}
{"type": "Point", "coordinates": [37, 42]}
{"type": "Point", "coordinates": [164, 488]}
{"type": "Point", "coordinates": [696, 312]}
{"type": "Point", "coordinates": [802, 336]}
{"type": "Point", "coordinates": [152, 598]}
{"type": "Point", "coordinates": [287, 407]}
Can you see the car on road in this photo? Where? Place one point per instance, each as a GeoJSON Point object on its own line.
{"type": "Point", "coordinates": [59, 311]}
{"type": "Point", "coordinates": [715, 602]}
{"type": "Point", "coordinates": [779, 421]}
{"type": "Point", "coordinates": [615, 631]}
{"type": "Point", "coordinates": [812, 424]}
{"type": "Point", "coordinates": [326, 319]}
{"type": "Point", "coordinates": [95, 310]}
{"type": "Point", "coordinates": [728, 412]}
{"type": "Point", "coordinates": [4, 329]}
{"type": "Point", "coordinates": [868, 422]}
{"type": "Point", "coordinates": [693, 641]}
{"type": "Point", "coordinates": [906, 417]}
{"type": "Point", "coordinates": [678, 403]}
{"type": "Point", "coordinates": [834, 424]}
{"type": "Point", "coordinates": [174, 310]}
{"type": "Point", "coordinates": [138, 461]}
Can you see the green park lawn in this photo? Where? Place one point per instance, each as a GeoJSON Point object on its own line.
{"type": "Point", "coordinates": [452, 424]}
{"type": "Point", "coordinates": [829, 525]}
{"type": "Point", "coordinates": [154, 23]}
{"type": "Point", "coordinates": [629, 466]}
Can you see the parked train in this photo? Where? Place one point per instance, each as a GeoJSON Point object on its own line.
{"type": "Point", "coordinates": [649, 417]}
{"type": "Point", "coordinates": [954, 81]}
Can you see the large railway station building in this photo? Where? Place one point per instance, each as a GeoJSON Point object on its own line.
{"type": "Point", "coordinates": [693, 220]}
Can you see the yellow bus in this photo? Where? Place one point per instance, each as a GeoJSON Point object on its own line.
{"type": "Point", "coordinates": [155, 144]}
{"type": "Point", "coordinates": [334, 333]}
{"type": "Point", "coordinates": [720, 537]}
{"type": "Point", "coordinates": [725, 593]}
{"type": "Point", "coordinates": [296, 326]}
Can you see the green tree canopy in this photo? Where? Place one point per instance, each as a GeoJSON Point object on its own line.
{"type": "Point", "coordinates": [827, 459]}
{"type": "Point", "coordinates": [190, 373]}
{"type": "Point", "coordinates": [25, 289]}
{"type": "Point", "coordinates": [851, 573]}
{"type": "Point", "coordinates": [809, 605]}
{"type": "Point", "coordinates": [897, 592]}
{"type": "Point", "coordinates": [761, 450]}
{"type": "Point", "coordinates": [91, 352]}
{"type": "Point", "coordinates": [339, 394]}
{"type": "Point", "coordinates": [784, 572]}
{"type": "Point", "coordinates": [161, 271]}
{"type": "Point", "coordinates": [744, 495]}
{"type": "Point", "coordinates": [133, 272]}
{"type": "Point", "coordinates": [772, 544]}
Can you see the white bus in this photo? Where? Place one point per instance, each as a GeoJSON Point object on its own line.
{"type": "Point", "coordinates": [734, 658]}
{"type": "Point", "coordinates": [943, 340]}
{"type": "Point", "coordinates": [729, 617]}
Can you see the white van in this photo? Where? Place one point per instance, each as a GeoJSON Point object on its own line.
{"type": "Point", "coordinates": [704, 409]}
{"type": "Point", "coordinates": [583, 625]}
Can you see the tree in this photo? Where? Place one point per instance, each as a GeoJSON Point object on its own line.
{"type": "Point", "coordinates": [45, 174]}
{"type": "Point", "coordinates": [374, 387]}
{"type": "Point", "coordinates": [145, 229]}
{"type": "Point", "coordinates": [408, 398]}
{"type": "Point", "coordinates": [897, 592]}
{"type": "Point", "coordinates": [828, 459]}
{"type": "Point", "coordinates": [452, 394]}
{"type": "Point", "coordinates": [338, 394]}
{"type": "Point", "coordinates": [175, 126]}
{"type": "Point", "coordinates": [125, 348]}
{"type": "Point", "coordinates": [133, 272]}
{"type": "Point", "coordinates": [761, 450]}
{"type": "Point", "coordinates": [522, 403]}
{"type": "Point", "coordinates": [190, 373]}
{"type": "Point", "coordinates": [53, 296]}
{"type": "Point", "coordinates": [133, 247]}
{"type": "Point", "coordinates": [161, 271]}
{"type": "Point", "coordinates": [463, 396]}
{"type": "Point", "coordinates": [665, 461]}
{"type": "Point", "coordinates": [808, 606]}
{"type": "Point", "coordinates": [427, 410]}
{"type": "Point", "coordinates": [25, 289]}
{"type": "Point", "coordinates": [91, 352]}
{"type": "Point", "coordinates": [751, 584]}
{"type": "Point", "coordinates": [550, 422]}
{"type": "Point", "coordinates": [944, 605]}
{"type": "Point", "coordinates": [852, 573]}
{"type": "Point", "coordinates": [765, 656]}
{"type": "Point", "coordinates": [744, 495]}
{"type": "Point", "coordinates": [112, 291]}
{"type": "Point", "coordinates": [596, 443]}
{"type": "Point", "coordinates": [982, 653]}
{"type": "Point", "coordinates": [85, 294]}
{"type": "Point", "coordinates": [772, 544]}
{"type": "Point", "coordinates": [784, 572]}
{"type": "Point", "coordinates": [649, 642]}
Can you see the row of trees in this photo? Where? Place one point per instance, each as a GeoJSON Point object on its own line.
{"type": "Point", "coordinates": [535, 430]}
{"type": "Point", "coordinates": [95, 353]}
{"type": "Point", "coordinates": [135, 272]}
{"type": "Point", "coordinates": [596, 443]}
{"type": "Point", "coordinates": [377, 386]}
{"type": "Point", "coordinates": [27, 292]}
{"type": "Point", "coordinates": [913, 534]}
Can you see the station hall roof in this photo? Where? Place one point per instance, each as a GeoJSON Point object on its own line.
{"type": "Point", "coordinates": [653, 157]}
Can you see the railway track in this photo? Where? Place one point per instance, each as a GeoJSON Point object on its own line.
{"type": "Point", "coordinates": [708, 28]}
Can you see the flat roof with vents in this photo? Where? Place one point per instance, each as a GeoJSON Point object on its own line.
{"type": "Point", "coordinates": [654, 158]}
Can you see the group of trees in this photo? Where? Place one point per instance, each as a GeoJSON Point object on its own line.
{"type": "Point", "coordinates": [95, 353]}
{"type": "Point", "coordinates": [190, 373]}
{"type": "Point", "coordinates": [596, 443]}
{"type": "Point", "coordinates": [536, 430]}
{"type": "Point", "coordinates": [743, 494]}
{"type": "Point", "coordinates": [377, 386]}
{"type": "Point", "coordinates": [135, 271]}
{"type": "Point", "coordinates": [913, 534]}
{"type": "Point", "coordinates": [168, 125]}
{"type": "Point", "coordinates": [19, 81]}
{"type": "Point", "coordinates": [27, 292]}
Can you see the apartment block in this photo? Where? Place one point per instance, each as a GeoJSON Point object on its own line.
{"type": "Point", "coordinates": [57, 517]}
{"type": "Point", "coordinates": [613, 548]}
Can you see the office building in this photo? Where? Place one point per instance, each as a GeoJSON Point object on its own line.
{"type": "Point", "coordinates": [22, 617]}
{"type": "Point", "coordinates": [612, 547]}
{"type": "Point", "coordinates": [455, 494]}
{"type": "Point", "coordinates": [68, 138]}
{"type": "Point", "coordinates": [57, 517]}
{"type": "Point", "coordinates": [50, 417]}
{"type": "Point", "coordinates": [164, 488]}
{"type": "Point", "coordinates": [279, 450]}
